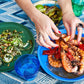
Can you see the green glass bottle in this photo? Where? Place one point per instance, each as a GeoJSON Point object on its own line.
{"type": "Point", "coordinates": [78, 7]}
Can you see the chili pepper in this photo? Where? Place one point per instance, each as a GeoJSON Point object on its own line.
{"type": "Point", "coordinates": [50, 52]}
{"type": "Point", "coordinates": [81, 46]}
{"type": "Point", "coordinates": [69, 56]}
{"type": "Point", "coordinates": [58, 54]}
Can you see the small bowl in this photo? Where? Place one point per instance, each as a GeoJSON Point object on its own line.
{"type": "Point", "coordinates": [27, 66]}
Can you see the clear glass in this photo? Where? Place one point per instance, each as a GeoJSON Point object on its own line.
{"type": "Point", "coordinates": [27, 67]}
{"type": "Point", "coordinates": [78, 7]}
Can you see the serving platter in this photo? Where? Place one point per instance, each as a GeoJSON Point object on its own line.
{"type": "Point", "coordinates": [57, 73]}
{"type": "Point", "coordinates": [47, 3]}
{"type": "Point", "coordinates": [26, 35]}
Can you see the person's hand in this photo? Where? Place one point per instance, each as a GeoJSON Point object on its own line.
{"type": "Point", "coordinates": [44, 28]}
{"type": "Point", "coordinates": [71, 21]}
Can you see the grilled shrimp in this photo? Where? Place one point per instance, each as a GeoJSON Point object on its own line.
{"type": "Point", "coordinates": [75, 42]}
{"type": "Point", "coordinates": [67, 63]}
{"type": "Point", "coordinates": [57, 42]}
{"type": "Point", "coordinates": [81, 68]}
{"type": "Point", "coordinates": [54, 62]}
{"type": "Point", "coordinates": [72, 57]}
{"type": "Point", "coordinates": [63, 45]}
{"type": "Point", "coordinates": [81, 54]}
{"type": "Point", "coordinates": [67, 38]}
{"type": "Point", "coordinates": [63, 36]}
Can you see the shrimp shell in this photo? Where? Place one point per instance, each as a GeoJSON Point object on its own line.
{"type": "Point", "coordinates": [67, 38]}
{"type": "Point", "coordinates": [81, 68]}
{"type": "Point", "coordinates": [57, 42]}
{"type": "Point", "coordinates": [75, 42]}
{"type": "Point", "coordinates": [81, 53]}
{"type": "Point", "coordinates": [63, 45]}
{"type": "Point", "coordinates": [67, 63]}
{"type": "Point", "coordinates": [53, 62]}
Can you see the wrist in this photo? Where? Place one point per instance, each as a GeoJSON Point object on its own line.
{"type": "Point", "coordinates": [66, 6]}
{"type": "Point", "coordinates": [67, 12]}
{"type": "Point", "coordinates": [35, 15]}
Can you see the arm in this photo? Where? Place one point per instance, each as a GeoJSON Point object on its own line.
{"type": "Point", "coordinates": [44, 25]}
{"type": "Point", "coordinates": [29, 8]}
{"type": "Point", "coordinates": [66, 6]}
{"type": "Point", "coordinates": [69, 19]}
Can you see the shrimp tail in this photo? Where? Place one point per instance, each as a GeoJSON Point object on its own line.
{"type": "Point", "coordinates": [67, 63]}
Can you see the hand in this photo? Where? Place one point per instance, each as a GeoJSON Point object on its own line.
{"type": "Point", "coordinates": [71, 21]}
{"type": "Point", "coordinates": [44, 28]}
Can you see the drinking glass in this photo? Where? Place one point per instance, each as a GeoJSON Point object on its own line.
{"type": "Point", "coordinates": [78, 7]}
{"type": "Point", "coordinates": [27, 66]}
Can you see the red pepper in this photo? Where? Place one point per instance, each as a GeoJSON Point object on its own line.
{"type": "Point", "coordinates": [81, 46]}
{"type": "Point", "coordinates": [58, 54]}
{"type": "Point", "coordinates": [70, 56]}
{"type": "Point", "coordinates": [50, 52]}
{"type": "Point", "coordinates": [53, 52]}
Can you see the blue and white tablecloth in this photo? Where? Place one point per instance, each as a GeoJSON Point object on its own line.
{"type": "Point", "coordinates": [11, 12]}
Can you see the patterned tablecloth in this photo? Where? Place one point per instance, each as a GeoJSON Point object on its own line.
{"type": "Point", "coordinates": [11, 12]}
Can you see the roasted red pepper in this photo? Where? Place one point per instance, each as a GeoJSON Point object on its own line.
{"type": "Point", "coordinates": [55, 51]}
{"type": "Point", "coordinates": [81, 46]}
{"type": "Point", "coordinates": [70, 56]}
{"type": "Point", "coordinates": [50, 52]}
{"type": "Point", "coordinates": [58, 54]}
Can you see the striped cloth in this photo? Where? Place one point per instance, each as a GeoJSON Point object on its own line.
{"type": "Point", "coordinates": [11, 12]}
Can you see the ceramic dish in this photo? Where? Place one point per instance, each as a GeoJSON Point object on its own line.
{"type": "Point", "coordinates": [47, 3]}
{"type": "Point", "coordinates": [26, 35]}
{"type": "Point", "coordinates": [57, 73]}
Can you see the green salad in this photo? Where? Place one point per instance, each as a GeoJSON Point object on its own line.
{"type": "Point", "coordinates": [11, 45]}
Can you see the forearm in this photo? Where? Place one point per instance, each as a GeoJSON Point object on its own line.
{"type": "Point", "coordinates": [29, 8]}
{"type": "Point", "coordinates": [66, 6]}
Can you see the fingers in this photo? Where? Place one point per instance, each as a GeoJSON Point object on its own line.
{"type": "Point", "coordinates": [67, 28]}
{"type": "Point", "coordinates": [37, 39]}
{"type": "Point", "coordinates": [38, 42]}
{"type": "Point", "coordinates": [73, 29]}
{"type": "Point", "coordinates": [45, 41]}
{"type": "Point", "coordinates": [55, 28]}
{"type": "Point", "coordinates": [79, 34]}
{"type": "Point", "coordinates": [79, 28]}
{"type": "Point", "coordinates": [52, 34]}
{"type": "Point", "coordinates": [48, 41]}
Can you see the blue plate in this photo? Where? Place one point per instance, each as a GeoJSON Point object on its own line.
{"type": "Point", "coordinates": [57, 73]}
{"type": "Point", "coordinates": [49, 4]}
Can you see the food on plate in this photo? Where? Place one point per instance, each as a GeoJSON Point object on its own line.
{"type": "Point", "coordinates": [54, 62]}
{"type": "Point", "coordinates": [69, 55]}
{"type": "Point", "coordinates": [52, 11]}
{"type": "Point", "coordinates": [11, 45]}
